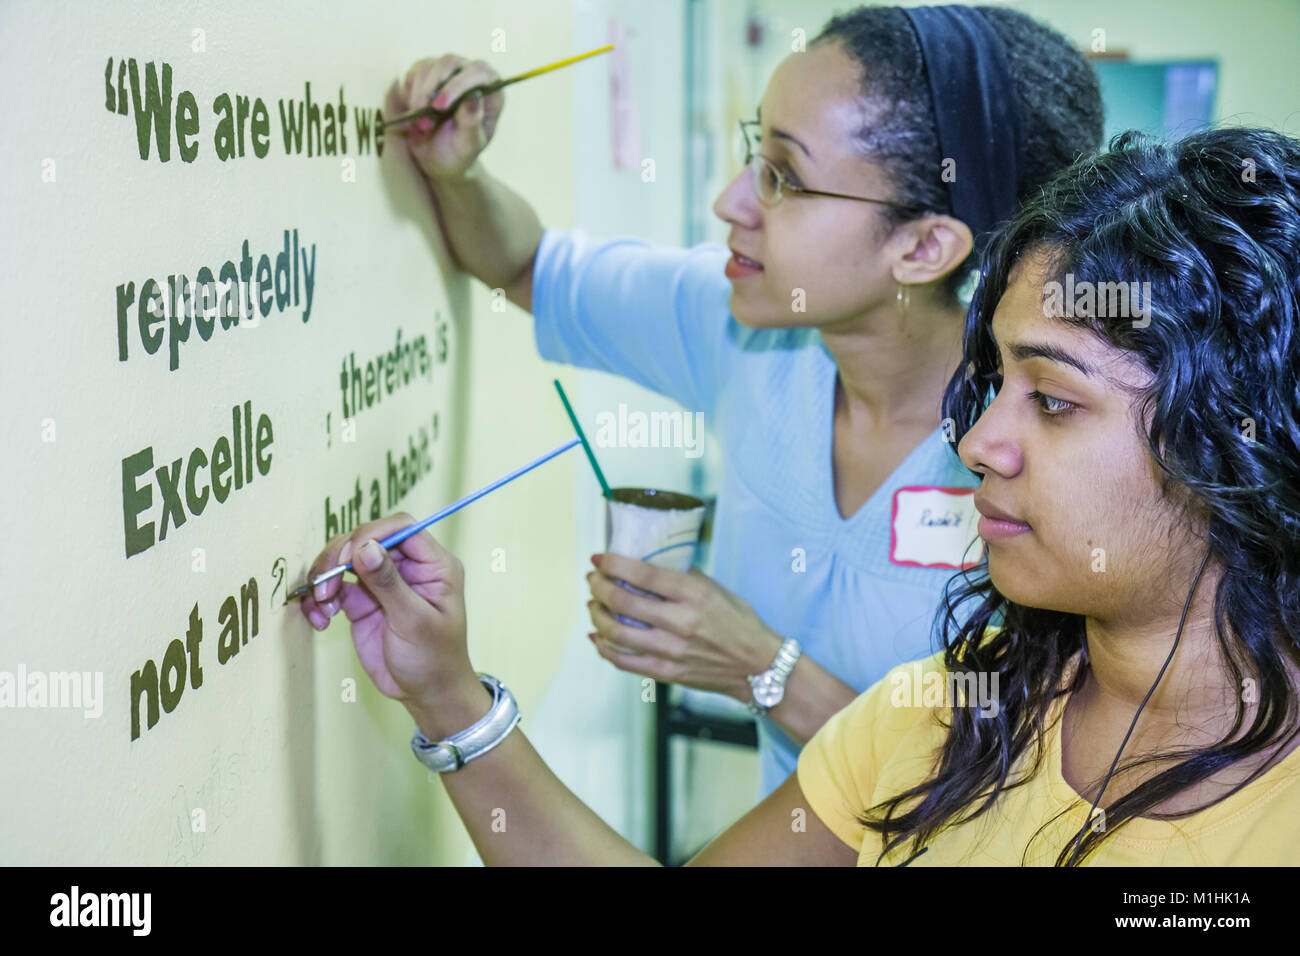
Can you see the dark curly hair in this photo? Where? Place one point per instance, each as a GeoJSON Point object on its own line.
{"type": "Point", "coordinates": [1057, 99]}
{"type": "Point", "coordinates": [1212, 221]}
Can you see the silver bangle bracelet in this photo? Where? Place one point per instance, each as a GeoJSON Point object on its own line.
{"type": "Point", "coordinates": [459, 749]}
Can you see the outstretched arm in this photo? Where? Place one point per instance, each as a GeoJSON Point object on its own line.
{"type": "Point", "coordinates": [407, 616]}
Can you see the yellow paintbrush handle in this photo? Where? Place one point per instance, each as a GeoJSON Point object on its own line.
{"type": "Point", "coordinates": [488, 89]}
{"type": "Point", "coordinates": [557, 65]}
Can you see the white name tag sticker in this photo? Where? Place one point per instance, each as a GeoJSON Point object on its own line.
{"type": "Point", "coordinates": [935, 528]}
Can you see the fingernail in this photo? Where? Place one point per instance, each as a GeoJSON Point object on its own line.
{"type": "Point", "coordinates": [332, 608]}
{"type": "Point", "coordinates": [321, 590]}
{"type": "Point", "coordinates": [371, 555]}
{"type": "Point", "coordinates": [318, 620]}
{"type": "Point", "coordinates": [595, 559]}
{"type": "Point", "coordinates": [345, 552]}
{"type": "Point", "coordinates": [440, 101]}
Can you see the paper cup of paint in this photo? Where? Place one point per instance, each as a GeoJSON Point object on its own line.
{"type": "Point", "coordinates": [658, 527]}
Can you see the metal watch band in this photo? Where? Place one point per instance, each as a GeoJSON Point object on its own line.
{"type": "Point", "coordinates": [781, 667]}
{"type": "Point", "coordinates": [785, 658]}
{"type": "Point", "coordinates": [459, 749]}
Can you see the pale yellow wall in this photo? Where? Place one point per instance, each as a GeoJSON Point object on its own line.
{"type": "Point", "coordinates": [284, 769]}
{"type": "Point", "coordinates": [1253, 40]}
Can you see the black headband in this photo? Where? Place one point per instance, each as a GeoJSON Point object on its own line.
{"type": "Point", "coordinates": [974, 102]}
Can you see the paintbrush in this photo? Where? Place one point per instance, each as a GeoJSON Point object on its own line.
{"type": "Point", "coordinates": [399, 536]}
{"type": "Point", "coordinates": [440, 116]}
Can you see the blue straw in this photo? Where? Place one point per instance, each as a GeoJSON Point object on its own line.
{"type": "Point", "coordinates": [399, 536]}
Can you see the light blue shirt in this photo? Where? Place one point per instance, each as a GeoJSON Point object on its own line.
{"type": "Point", "coordinates": [851, 591]}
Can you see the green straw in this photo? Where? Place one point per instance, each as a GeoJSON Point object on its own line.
{"type": "Point", "coordinates": [600, 476]}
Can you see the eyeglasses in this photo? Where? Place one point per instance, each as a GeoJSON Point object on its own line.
{"type": "Point", "coordinates": [771, 185]}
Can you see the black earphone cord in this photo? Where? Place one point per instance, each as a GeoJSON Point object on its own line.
{"type": "Point", "coordinates": [1078, 840]}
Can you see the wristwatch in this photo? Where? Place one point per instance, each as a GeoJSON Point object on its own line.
{"type": "Point", "coordinates": [769, 686]}
{"type": "Point", "coordinates": [458, 749]}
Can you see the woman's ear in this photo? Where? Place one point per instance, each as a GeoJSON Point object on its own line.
{"type": "Point", "coordinates": [929, 248]}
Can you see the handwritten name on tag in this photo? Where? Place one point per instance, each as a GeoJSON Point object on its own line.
{"type": "Point", "coordinates": [935, 527]}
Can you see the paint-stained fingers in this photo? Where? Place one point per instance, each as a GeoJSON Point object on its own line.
{"type": "Point", "coordinates": [423, 76]}
{"type": "Point", "coordinates": [474, 73]}
{"type": "Point", "coordinates": [423, 89]}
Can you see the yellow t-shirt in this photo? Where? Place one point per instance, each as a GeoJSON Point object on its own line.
{"type": "Point", "coordinates": [887, 740]}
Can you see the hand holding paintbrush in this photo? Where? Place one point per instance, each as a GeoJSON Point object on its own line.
{"type": "Point", "coordinates": [436, 90]}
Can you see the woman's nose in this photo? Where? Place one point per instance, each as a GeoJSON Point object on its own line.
{"type": "Point", "coordinates": [737, 204]}
{"type": "Point", "coordinates": [990, 445]}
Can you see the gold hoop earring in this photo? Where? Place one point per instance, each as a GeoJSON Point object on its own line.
{"type": "Point", "coordinates": [904, 294]}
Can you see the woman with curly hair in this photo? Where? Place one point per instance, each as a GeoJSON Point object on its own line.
{"type": "Point", "coordinates": [1120, 677]}
{"type": "Point", "coordinates": [1144, 627]}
